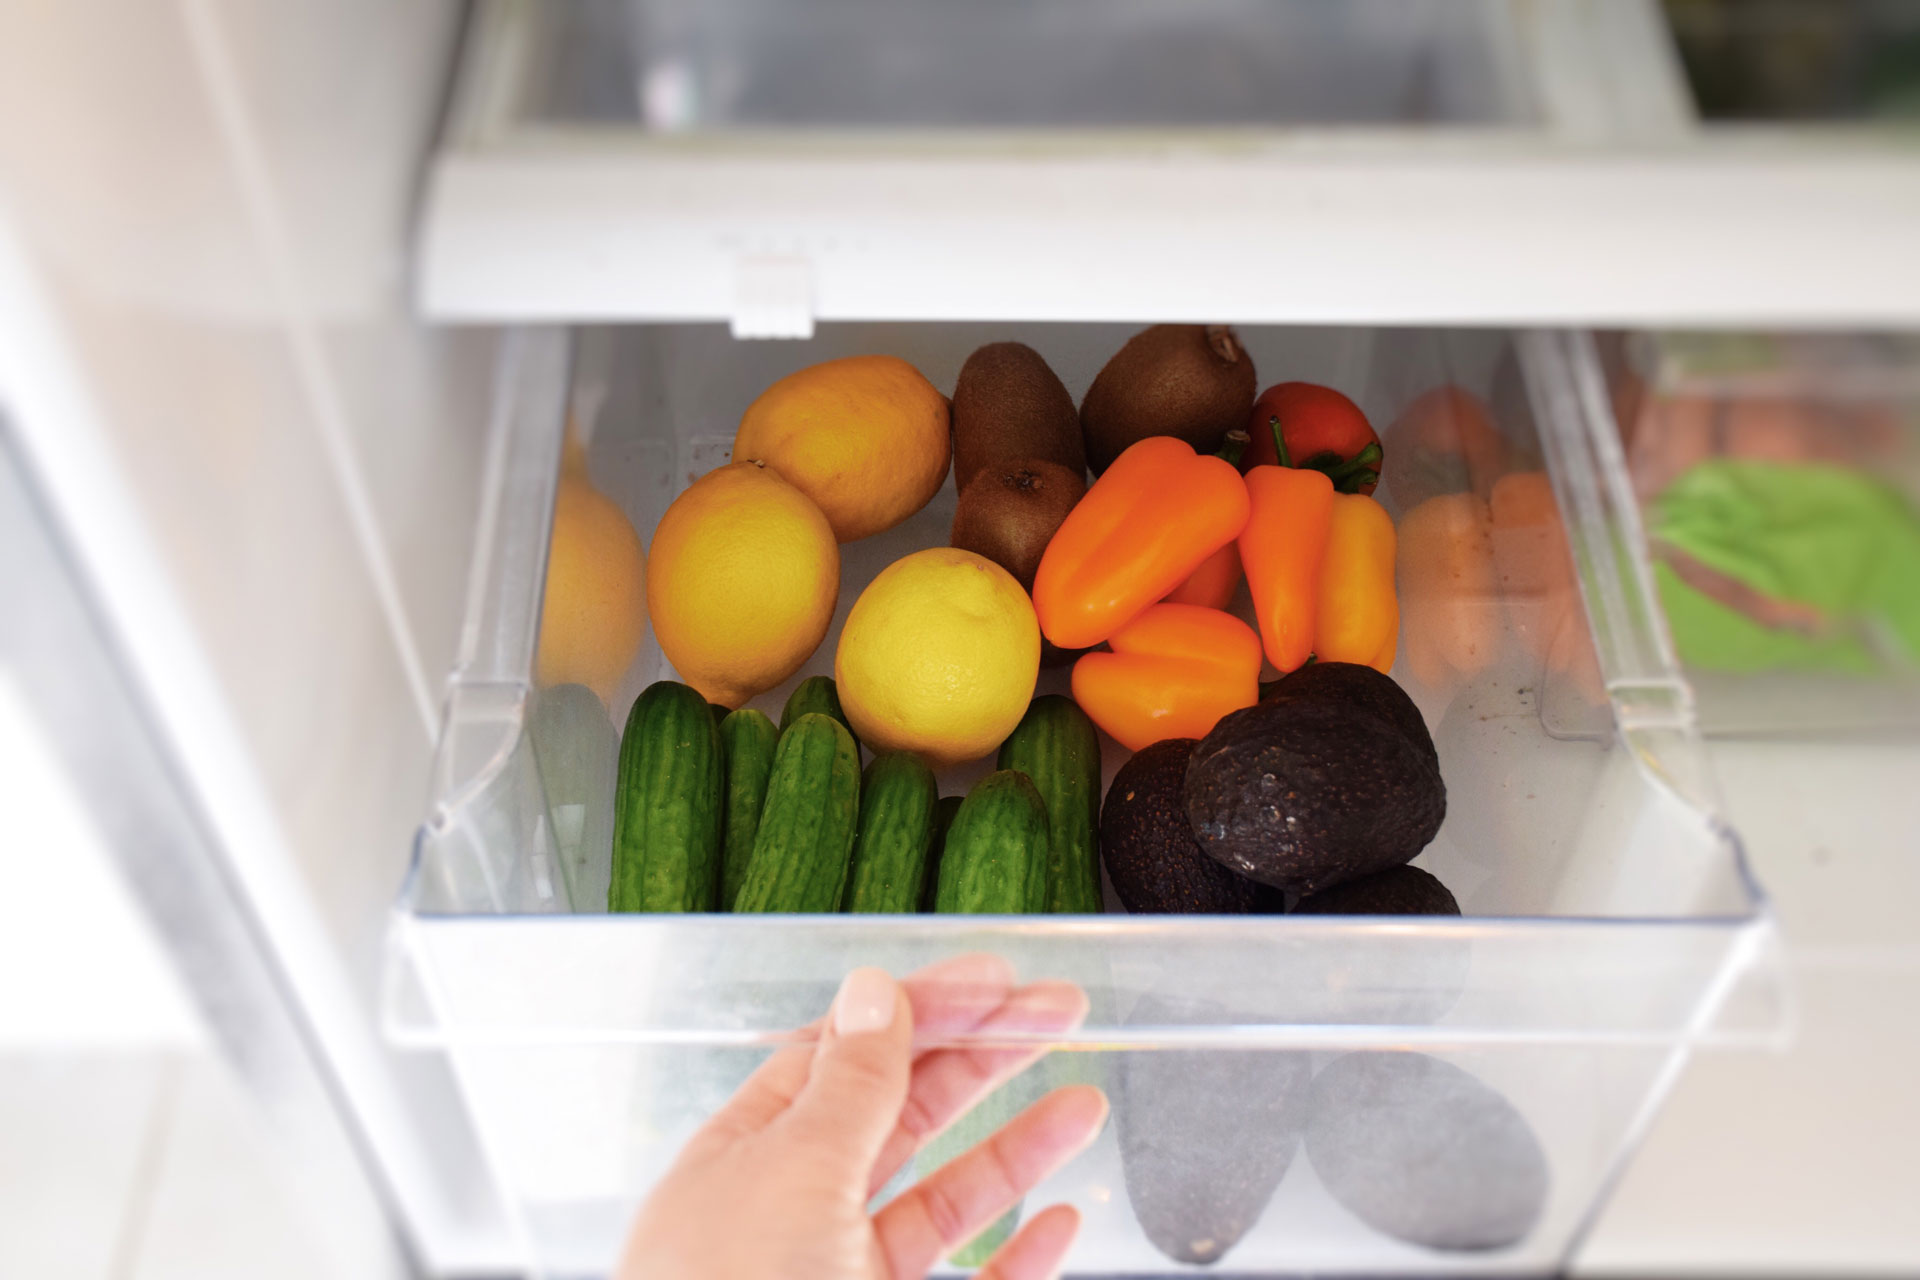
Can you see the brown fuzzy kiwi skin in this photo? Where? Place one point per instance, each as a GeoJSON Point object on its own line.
{"type": "Point", "coordinates": [1192, 381]}
{"type": "Point", "coordinates": [1009, 513]}
{"type": "Point", "coordinates": [1008, 405]}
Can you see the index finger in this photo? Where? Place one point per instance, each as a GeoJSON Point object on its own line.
{"type": "Point", "coordinates": [951, 996]}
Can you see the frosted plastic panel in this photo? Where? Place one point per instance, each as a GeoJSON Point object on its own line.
{"type": "Point", "coordinates": [1778, 479]}
{"type": "Point", "coordinates": [680, 66]}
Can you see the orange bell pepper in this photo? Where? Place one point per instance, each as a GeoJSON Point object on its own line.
{"type": "Point", "coordinates": [1212, 585]}
{"type": "Point", "coordinates": [1282, 547]}
{"type": "Point", "coordinates": [1358, 619]}
{"type": "Point", "coordinates": [1146, 524]}
{"type": "Point", "coordinates": [1174, 671]}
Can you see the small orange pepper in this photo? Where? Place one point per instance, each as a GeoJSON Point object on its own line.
{"type": "Point", "coordinates": [1282, 548]}
{"type": "Point", "coordinates": [1358, 619]}
{"type": "Point", "coordinates": [1212, 585]}
{"type": "Point", "coordinates": [1174, 671]}
{"type": "Point", "coordinates": [1146, 524]}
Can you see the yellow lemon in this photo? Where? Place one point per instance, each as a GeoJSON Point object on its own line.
{"type": "Point", "coordinates": [938, 656]}
{"type": "Point", "coordinates": [744, 573]}
{"type": "Point", "coordinates": [865, 437]}
{"type": "Point", "coordinates": [594, 613]}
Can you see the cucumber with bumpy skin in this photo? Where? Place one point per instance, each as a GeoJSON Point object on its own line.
{"type": "Point", "coordinates": [805, 842]}
{"type": "Point", "coordinates": [995, 860]}
{"type": "Point", "coordinates": [1056, 745]}
{"type": "Point", "coordinates": [667, 804]}
{"type": "Point", "coordinates": [748, 738]}
{"type": "Point", "coordinates": [942, 821]}
{"type": "Point", "coordinates": [816, 694]}
{"type": "Point", "coordinates": [897, 798]}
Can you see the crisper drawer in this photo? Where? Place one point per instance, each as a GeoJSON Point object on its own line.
{"type": "Point", "coordinates": [1290, 1093]}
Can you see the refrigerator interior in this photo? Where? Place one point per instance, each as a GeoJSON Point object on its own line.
{"type": "Point", "coordinates": [1609, 920]}
{"type": "Point", "coordinates": [261, 418]}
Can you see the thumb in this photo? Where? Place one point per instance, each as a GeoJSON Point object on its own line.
{"type": "Point", "coordinates": [858, 1082]}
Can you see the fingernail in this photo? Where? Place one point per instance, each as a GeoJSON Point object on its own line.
{"type": "Point", "coordinates": [865, 1003]}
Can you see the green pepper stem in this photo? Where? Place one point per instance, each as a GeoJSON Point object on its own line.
{"type": "Point", "coordinates": [1279, 441]}
{"type": "Point", "coordinates": [1233, 446]}
{"type": "Point", "coordinates": [1368, 457]}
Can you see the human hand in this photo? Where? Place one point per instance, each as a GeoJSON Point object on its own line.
{"type": "Point", "coordinates": [776, 1183]}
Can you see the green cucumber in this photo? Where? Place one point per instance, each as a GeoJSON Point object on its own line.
{"type": "Point", "coordinates": [667, 804]}
{"type": "Point", "coordinates": [747, 737]}
{"type": "Point", "coordinates": [1057, 746]}
{"type": "Point", "coordinates": [897, 798]}
{"type": "Point", "coordinates": [995, 861]}
{"type": "Point", "coordinates": [816, 694]}
{"type": "Point", "coordinates": [805, 842]}
{"type": "Point", "coordinates": [942, 821]}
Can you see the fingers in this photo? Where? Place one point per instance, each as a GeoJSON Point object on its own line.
{"type": "Point", "coordinates": [1037, 1249]}
{"type": "Point", "coordinates": [947, 1082]}
{"type": "Point", "coordinates": [955, 995]}
{"type": "Point", "coordinates": [949, 1207]}
{"type": "Point", "coordinates": [858, 1078]}
{"type": "Point", "coordinates": [952, 996]}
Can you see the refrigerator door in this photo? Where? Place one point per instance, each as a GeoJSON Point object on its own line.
{"type": "Point", "coordinates": [67, 673]}
{"type": "Point", "coordinates": [266, 470]}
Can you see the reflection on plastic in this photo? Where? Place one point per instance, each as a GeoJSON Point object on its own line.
{"type": "Point", "coordinates": [1205, 1137]}
{"type": "Point", "coordinates": [1425, 1152]}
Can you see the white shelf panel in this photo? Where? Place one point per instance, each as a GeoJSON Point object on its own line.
{"type": "Point", "coordinates": [1759, 231]}
{"type": "Point", "coordinates": [1594, 197]}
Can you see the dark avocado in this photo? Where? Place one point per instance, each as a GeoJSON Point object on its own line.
{"type": "Point", "coordinates": [1359, 686]}
{"type": "Point", "coordinates": [1192, 381]}
{"type": "Point", "coordinates": [1304, 792]}
{"type": "Point", "coordinates": [1147, 844]}
{"type": "Point", "coordinates": [1205, 1137]}
{"type": "Point", "coordinates": [1425, 1152]}
{"type": "Point", "coordinates": [1008, 406]}
{"type": "Point", "coordinates": [1398, 891]}
{"type": "Point", "coordinates": [1413, 983]}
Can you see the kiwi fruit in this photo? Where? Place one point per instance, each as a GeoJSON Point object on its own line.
{"type": "Point", "coordinates": [1193, 381]}
{"type": "Point", "coordinates": [1008, 513]}
{"type": "Point", "coordinates": [1009, 406]}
